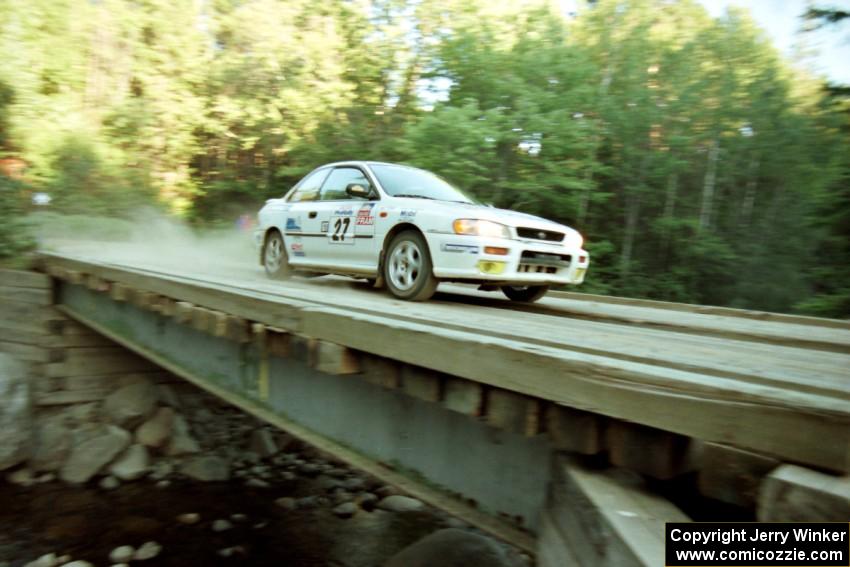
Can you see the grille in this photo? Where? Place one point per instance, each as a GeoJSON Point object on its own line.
{"type": "Point", "coordinates": [537, 234]}
{"type": "Point", "coordinates": [542, 262]}
{"type": "Point", "coordinates": [544, 256]}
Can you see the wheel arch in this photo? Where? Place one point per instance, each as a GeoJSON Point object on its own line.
{"type": "Point", "coordinates": [266, 235]}
{"type": "Point", "coordinates": [396, 230]}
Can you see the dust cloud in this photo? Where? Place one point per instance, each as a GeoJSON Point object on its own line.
{"type": "Point", "coordinates": [151, 240]}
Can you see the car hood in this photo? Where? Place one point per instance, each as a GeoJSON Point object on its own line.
{"type": "Point", "coordinates": [473, 211]}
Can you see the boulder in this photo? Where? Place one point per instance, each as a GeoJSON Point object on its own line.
{"type": "Point", "coordinates": [92, 454]}
{"type": "Point", "coordinates": [131, 404]}
{"type": "Point", "coordinates": [182, 442]}
{"type": "Point", "coordinates": [122, 554]}
{"type": "Point", "coordinates": [15, 414]}
{"type": "Point", "coordinates": [206, 468]}
{"type": "Point", "coordinates": [399, 503]}
{"type": "Point", "coordinates": [51, 446]}
{"type": "Point", "coordinates": [132, 464]}
{"type": "Point", "coordinates": [263, 443]}
{"type": "Point", "coordinates": [147, 550]}
{"type": "Point", "coordinates": [345, 509]}
{"type": "Point", "coordinates": [154, 433]}
{"type": "Point", "coordinates": [453, 548]}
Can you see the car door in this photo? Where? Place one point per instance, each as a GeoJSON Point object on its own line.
{"type": "Point", "coordinates": [348, 223]}
{"type": "Point", "coordinates": [301, 231]}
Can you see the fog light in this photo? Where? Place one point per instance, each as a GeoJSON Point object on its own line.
{"type": "Point", "coordinates": [487, 267]}
{"type": "Point", "coordinates": [495, 250]}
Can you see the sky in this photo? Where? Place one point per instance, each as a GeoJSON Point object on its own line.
{"type": "Point", "coordinates": [781, 19]}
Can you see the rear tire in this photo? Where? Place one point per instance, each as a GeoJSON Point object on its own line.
{"type": "Point", "coordinates": [275, 259]}
{"type": "Point", "coordinates": [408, 269]}
{"type": "Point", "coordinates": [525, 294]}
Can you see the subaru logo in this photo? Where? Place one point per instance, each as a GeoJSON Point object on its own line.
{"type": "Point", "coordinates": [541, 235]}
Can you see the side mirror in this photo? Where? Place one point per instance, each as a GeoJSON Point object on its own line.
{"type": "Point", "coordinates": [358, 191]}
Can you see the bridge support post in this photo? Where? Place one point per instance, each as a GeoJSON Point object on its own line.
{"type": "Point", "coordinates": [602, 517]}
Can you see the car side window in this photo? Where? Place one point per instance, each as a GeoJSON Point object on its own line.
{"type": "Point", "coordinates": [334, 186]}
{"type": "Point", "coordinates": [308, 190]}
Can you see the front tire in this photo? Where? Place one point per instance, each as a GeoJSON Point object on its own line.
{"type": "Point", "coordinates": [275, 259]}
{"type": "Point", "coordinates": [525, 294]}
{"type": "Point", "coordinates": [408, 269]}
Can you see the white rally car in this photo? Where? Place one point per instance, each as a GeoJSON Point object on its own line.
{"type": "Point", "coordinates": [409, 229]}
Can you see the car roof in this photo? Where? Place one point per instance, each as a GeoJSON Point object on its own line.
{"type": "Point", "coordinates": [364, 162]}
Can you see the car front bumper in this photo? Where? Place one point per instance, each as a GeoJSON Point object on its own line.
{"type": "Point", "coordinates": [526, 262]}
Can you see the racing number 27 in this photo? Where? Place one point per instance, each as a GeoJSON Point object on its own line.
{"type": "Point", "coordinates": [342, 230]}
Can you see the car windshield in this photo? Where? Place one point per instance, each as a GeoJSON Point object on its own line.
{"type": "Point", "coordinates": [403, 181]}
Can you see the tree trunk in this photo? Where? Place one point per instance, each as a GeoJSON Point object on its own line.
{"type": "Point", "coordinates": [632, 211]}
{"type": "Point", "coordinates": [670, 198]}
{"type": "Point", "coordinates": [708, 187]}
{"type": "Point", "coordinates": [584, 199]}
{"type": "Point", "coordinates": [748, 203]}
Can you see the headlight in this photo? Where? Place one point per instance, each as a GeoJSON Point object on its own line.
{"type": "Point", "coordinates": [476, 227]}
{"type": "Point", "coordinates": [578, 239]}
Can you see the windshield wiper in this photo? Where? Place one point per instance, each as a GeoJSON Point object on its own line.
{"type": "Point", "coordinates": [415, 196]}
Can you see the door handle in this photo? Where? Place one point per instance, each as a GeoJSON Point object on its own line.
{"type": "Point", "coordinates": [312, 214]}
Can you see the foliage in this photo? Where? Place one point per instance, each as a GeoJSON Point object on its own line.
{"type": "Point", "coordinates": [15, 237]}
{"type": "Point", "coordinates": [699, 165]}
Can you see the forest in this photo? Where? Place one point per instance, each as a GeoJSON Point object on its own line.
{"type": "Point", "coordinates": [699, 163]}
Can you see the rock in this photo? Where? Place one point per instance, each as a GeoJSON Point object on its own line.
{"type": "Point", "coordinates": [45, 478]}
{"type": "Point", "coordinates": [385, 491]}
{"type": "Point", "coordinates": [453, 548]}
{"type": "Point", "coordinates": [155, 432]}
{"type": "Point", "coordinates": [203, 415]}
{"type": "Point", "coordinates": [221, 525]}
{"type": "Point", "coordinates": [190, 518]}
{"type": "Point", "coordinates": [337, 472]}
{"type": "Point", "coordinates": [77, 563]}
{"type": "Point", "coordinates": [21, 477]}
{"type": "Point", "coordinates": [341, 496]}
{"type": "Point", "coordinates": [147, 550]}
{"type": "Point", "coordinates": [308, 469]}
{"type": "Point", "coordinates": [399, 503]}
{"type": "Point", "coordinates": [46, 560]}
{"type": "Point", "coordinates": [132, 464]}
{"type": "Point", "coordinates": [163, 484]}
{"type": "Point", "coordinates": [167, 396]}
{"type": "Point", "coordinates": [452, 522]}
{"type": "Point", "coordinates": [354, 484]}
{"type": "Point", "coordinates": [161, 469]}
{"type": "Point", "coordinates": [345, 510]}
{"type": "Point", "coordinates": [366, 500]}
{"type": "Point", "coordinates": [238, 517]}
{"type": "Point", "coordinates": [206, 468]}
{"type": "Point", "coordinates": [328, 484]}
{"type": "Point", "coordinates": [263, 443]}
{"type": "Point", "coordinates": [256, 483]}
{"type": "Point", "coordinates": [307, 502]}
{"type": "Point", "coordinates": [286, 503]}
{"type": "Point", "coordinates": [90, 456]}
{"type": "Point", "coordinates": [79, 414]}
{"type": "Point", "coordinates": [231, 551]}
{"type": "Point", "coordinates": [51, 446]}
{"type": "Point", "coordinates": [122, 554]}
{"type": "Point", "coordinates": [287, 475]}
{"type": "Point", "coordinates": [131, 404]}
{"type": "Point", "coordinates": [109, 483]}
{"type": "Point", "coordinates": [16, 418]}
{"type": "Point", "coordinates": [182, 442]}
